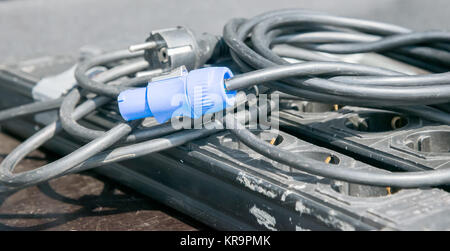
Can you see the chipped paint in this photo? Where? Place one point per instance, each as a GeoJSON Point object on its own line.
{"type": "Point", "coordinates": [253, 184]}
{"type": "Point", "coordinates": [335, 222]}
{"type": "Point", "coordinates": [298, 228]}
{"type": "Point", "coordinates": [285, 194]}
{"type": "Point", "coordinates": [297, 187]}
{"type": "Point", "coordinates": [263, 218]}
{"type": "Point", "coordinates": [300, 207]}
{"type": "Point", "coordinates": [330, 220]}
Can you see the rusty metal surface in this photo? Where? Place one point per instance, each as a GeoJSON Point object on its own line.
{"type": "Point", "coordinates": [84, 201]}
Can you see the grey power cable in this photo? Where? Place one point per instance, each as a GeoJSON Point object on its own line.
{"type": "Point", "coordinates": [12, 181]}
{"type": "Point", "coordinates": [35, 107]}
{"type": "Point", "coordinates": [401, 180]}
{"type": "Point", "coordinates": [90, 155]}
{"type": "Point", "coordinates": [266, 27]}
{"type": "Point", "coordinates": [385, 90]}
{"type": "Point", "coordinates": [319, 80]}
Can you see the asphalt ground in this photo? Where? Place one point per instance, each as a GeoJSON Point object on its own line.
{"type": "Point", "coordinates": [84, 201]}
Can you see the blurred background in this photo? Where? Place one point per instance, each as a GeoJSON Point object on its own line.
{"type": "Point", "coordinates": [35, 28]}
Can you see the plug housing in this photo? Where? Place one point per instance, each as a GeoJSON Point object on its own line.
{"type": "Point", "coordinates": [192, 94]}
{"type": "Point", "coordinates": [174, 47]}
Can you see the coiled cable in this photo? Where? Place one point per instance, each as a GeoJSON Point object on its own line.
{"type": "Point", "coordinates": [408, 90]}
{"type": "Point", "coordinates": [251, 43]}
{"type": "Point", "coordinates": [12, 181]}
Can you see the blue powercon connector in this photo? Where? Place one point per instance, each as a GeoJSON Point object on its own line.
{"type": "Point", "coordinates": [191, 95]}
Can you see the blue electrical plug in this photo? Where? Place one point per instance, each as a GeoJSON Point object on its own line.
{"type": "Point", "coordinates": [192, 94]}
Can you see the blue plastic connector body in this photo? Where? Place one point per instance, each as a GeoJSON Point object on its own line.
{"type": "Point", "coordinates": [192, 94]}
